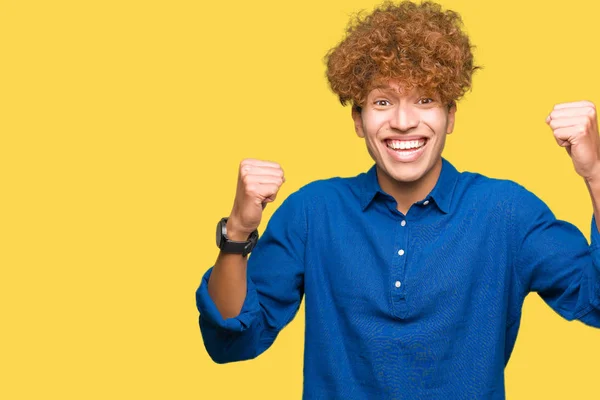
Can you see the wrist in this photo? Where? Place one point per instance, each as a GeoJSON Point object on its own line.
{"type": "Point", "coordinates": [235, 231]}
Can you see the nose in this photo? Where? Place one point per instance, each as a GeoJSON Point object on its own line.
{"type": "Point", "coordinates": [405, 118]}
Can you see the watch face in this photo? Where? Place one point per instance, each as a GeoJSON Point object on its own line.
{"type": "Point", "coordinates": [219, 234]}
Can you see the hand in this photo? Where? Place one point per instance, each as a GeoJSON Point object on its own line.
{"type": "Point", "coordinates": [575, 127]}
{"type": "Point", "coordinates": [258, 184]}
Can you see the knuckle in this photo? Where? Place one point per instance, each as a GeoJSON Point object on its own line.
{"type": "Point", "coordinates": [244, 167]}
{"type": "Point", "coordinates": [251, 162]}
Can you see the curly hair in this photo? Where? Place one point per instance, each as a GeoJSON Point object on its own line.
{"type": "Point", "coordinates": [418, 45]}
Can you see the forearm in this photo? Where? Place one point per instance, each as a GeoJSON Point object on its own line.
{"type": "Point", "coordinates": [227, 284]}
{"type": "Point", "coordinates": [593, 186]}
{"type": "Point", "coordinates": [228, 335]}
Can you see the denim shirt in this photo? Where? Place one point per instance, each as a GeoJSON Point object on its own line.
{"type": "Point", "coordinates": [425, 305]}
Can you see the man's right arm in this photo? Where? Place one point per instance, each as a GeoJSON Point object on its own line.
{"type": "Point", "coordinates": [227, 284]}
{"type": "Point", "coordinates": [244, 303]}
{"type": "Point", "coordinates": [258, 183]}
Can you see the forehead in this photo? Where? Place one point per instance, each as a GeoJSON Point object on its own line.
{"type": "Point", "coordinates": [396, 87]}
{"type": "Point", "coordinates": [390, 86]}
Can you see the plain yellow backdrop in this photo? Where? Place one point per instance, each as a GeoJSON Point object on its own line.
{"type": "Point", "coordinates": [122, 126]}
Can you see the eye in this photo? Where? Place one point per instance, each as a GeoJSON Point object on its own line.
{"type": "Point", "coordinates": [382, 103]}
{"type": "Point", "coordinates": [425, 100]}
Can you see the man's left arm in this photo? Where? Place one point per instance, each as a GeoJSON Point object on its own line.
{"type": "Point", "coordinates": [575, 127]}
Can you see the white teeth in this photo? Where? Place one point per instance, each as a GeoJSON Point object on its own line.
{"type": "Point", "coordinates": [405, 144]}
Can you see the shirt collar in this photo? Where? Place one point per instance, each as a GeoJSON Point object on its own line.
{"type": "Point", "coordinates": [441, 194]}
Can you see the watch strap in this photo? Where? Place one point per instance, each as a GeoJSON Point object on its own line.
{"type": "Point", "coordinates": [235, 247]}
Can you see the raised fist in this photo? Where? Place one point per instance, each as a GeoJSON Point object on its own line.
{"type": "Point", "coordinates": [258, 184]}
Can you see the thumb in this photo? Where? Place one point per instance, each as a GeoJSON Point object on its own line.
{"type": "Point", "coordinates": [268, 200]}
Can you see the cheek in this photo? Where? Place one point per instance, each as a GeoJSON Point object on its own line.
{"type": "Point", "coordinates": [372, 124]}
{"type": "Point", "coordinates": [437, 121]}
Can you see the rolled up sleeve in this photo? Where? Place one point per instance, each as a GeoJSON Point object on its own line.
{"type": "Point", "coordinates": [555, 260]}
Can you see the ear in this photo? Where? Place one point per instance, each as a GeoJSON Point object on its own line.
{"type": "Point", "coordinates": [451, 118]}
{"type": "Point", "coordinates": [357, 117]}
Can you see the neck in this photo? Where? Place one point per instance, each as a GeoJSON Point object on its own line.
{"type": "Point", "coordinates": [407, 193]}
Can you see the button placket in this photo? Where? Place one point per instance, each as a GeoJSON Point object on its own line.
{"type": "Point", "coordinates": [399, 270]}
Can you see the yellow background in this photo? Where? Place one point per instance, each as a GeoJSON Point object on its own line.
{"type": "Point", "coordinates": [122, 125]}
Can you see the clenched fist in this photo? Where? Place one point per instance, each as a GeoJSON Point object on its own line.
{"type": "Point", "coordinates": [258, 184]}
{"type": "Point", "coordinates": [575, 127]}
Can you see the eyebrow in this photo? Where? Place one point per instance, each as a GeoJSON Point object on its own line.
{"type": "Point", "coordinates": [419, 92]}
{"type": "Point", "coordinates": [386, 90]}
{"type": "Point", "coordinates": [382, 87]}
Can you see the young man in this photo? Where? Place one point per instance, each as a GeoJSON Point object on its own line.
{"type": "Point", "coordinates": [414, 274]}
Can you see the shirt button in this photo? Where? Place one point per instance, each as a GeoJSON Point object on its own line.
{"type": "Point", "coordinates": [403, 223]}
{"type": "Point", "coordinates": [426, 202]}
{"type": "Point", "coordinates": [397, 284]}
{"type": "Point", "coordinates": [400, 252]}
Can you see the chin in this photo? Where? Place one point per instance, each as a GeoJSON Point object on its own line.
{"type": "Point", "coordinates": [405, 174]}
{"type": "Point", "coordinates": [407, 178]}
{"type": "Point", "coordinates": [411, 172]}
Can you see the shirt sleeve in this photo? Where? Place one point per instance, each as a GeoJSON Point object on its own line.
{"type": "Point", "coordinates": [275, 289]}
{"type": "Point", "coordinates": [553, 258]}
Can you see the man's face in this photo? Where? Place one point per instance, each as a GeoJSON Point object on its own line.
{"type": "Point", "coordinates": [405, 132]}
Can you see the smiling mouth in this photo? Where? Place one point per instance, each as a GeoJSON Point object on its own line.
{"type": "Point", "coordinates": [405, 145]}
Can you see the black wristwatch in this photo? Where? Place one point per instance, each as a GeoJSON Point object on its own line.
{"type": "Point", "coordinates": [232, 247]}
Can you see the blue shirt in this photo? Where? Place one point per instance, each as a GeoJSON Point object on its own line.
{"type": "Point", "coordinates": [425, 305]}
